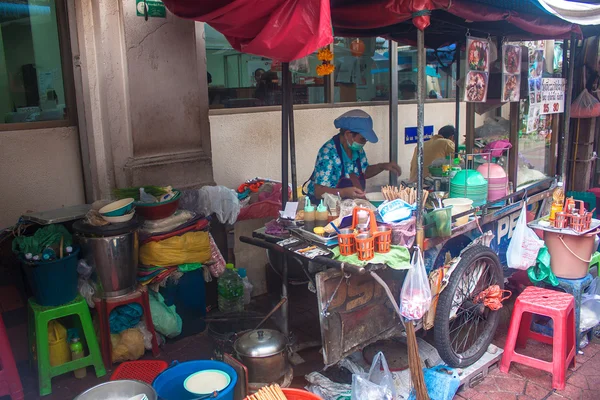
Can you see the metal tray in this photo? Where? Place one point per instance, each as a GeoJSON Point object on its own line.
{"type": "Point", "coordinates": [568, 231]}
{"type": "Point", "coordinates": [325, 241]}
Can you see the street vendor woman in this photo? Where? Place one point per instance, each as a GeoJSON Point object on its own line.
{"type": "Point", "coordinates": [341, 165]}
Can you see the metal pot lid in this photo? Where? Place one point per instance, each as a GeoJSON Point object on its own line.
{"type": "Point", "coordinates": [109, 230]}
{"type": "Point", "coordinates": [260, 343]}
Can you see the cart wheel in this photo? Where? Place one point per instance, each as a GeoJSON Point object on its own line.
{"type": "Point", "coordinates": [464, 330]}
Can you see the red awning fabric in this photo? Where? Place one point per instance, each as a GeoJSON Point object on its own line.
{"type": "Point", "coordinates": [286, 30]}
{"type": "Point", "coordinates": [283, 30]}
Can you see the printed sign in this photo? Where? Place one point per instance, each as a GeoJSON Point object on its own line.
{"type": "Point", "coordinates": [410, 134]}
{"type": "Point", "coordinates": [553, 95]}
{"type": "Point", "coordinates": [155, 8]}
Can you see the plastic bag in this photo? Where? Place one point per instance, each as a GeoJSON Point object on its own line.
{"type": "Point", "coordinates": [86, 288]}
{"type": "Point", "coordinates": [379, 384]}
{"type": "Point", "coordinates": [585, 106]}
{"type": "Point", "coordinates": [128, 345]}
{"type": "Point", "coordinates": [191, 247]}
{"type": "Point", "coordinates": [415, 298]}
{"type": "Point", "coordinates": [146, 334]}
{"type": "Point", "coordinates": [218, 262]}
{"type": "Point", "coordinates": [524, 246]}
{"type": "Point", "coordinates": [218, 200]}
{"type": "Point", "coordinates": [165, 318]}
{"type": "Point", "coordinates": [404, 232]}
{"type": "Point", "coordinates": [590, 312]}
{"type": "Point", "coordinates": [541, 271]}
{"type": "Point", "coordinates": [442, 383]}
{"type": "Point", "coordinates": [327, 389]}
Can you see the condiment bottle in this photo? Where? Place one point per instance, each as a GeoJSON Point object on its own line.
{"type": "Point", "coordinates": [322, 215]}
{"type": "Point", "coordinates": [309, 216]}
{"type": "Point", "coordinates": [558, 198]}
{"type": "Point", "coordinates": [76, 354]}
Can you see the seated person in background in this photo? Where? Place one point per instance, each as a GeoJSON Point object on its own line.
{"type": "Point", "coordinates": [408, 90]}
{"type": "Point", "coordinates": [439, 146]}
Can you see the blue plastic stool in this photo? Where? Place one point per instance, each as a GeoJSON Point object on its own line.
{"type": "Point", "coordinates": [576, 287]}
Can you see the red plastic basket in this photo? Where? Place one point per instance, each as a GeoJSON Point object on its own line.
{"type": "Point", "coordinates": [144, 370]}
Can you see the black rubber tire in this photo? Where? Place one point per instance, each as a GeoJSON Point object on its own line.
{"type": "Point", "coordinates": [442, 333]}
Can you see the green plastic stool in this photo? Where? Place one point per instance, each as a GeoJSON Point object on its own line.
{"type": "Point", "coordinates": [595, 261]}
{"type": "Point", "coordinates": [588, 198]}
{"type": "Point", "coordinates": [39, 317]}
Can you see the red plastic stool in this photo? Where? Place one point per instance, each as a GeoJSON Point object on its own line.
{"type": "Point", "coordinates": [561, 308]}
{"type": "Point", "coordinates": [105, 306]}
{"type": "Point", "coordinates": [10, 381]}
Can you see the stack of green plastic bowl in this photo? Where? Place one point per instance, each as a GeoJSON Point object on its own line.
{"type": "Point", "coordinates": [469, 184]}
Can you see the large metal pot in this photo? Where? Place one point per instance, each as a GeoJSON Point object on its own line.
{"type": "Point", "coordinates": [115, 260]}
{"type": "Point", "coordinates": [264, 353]}
{"type": "Point", "coordinates": [118, 390]}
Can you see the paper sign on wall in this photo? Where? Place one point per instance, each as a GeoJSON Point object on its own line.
{"type": "Point", "coordinates": [553, 95]}
{"type": "Point", "coordinates": [156, 8]}
{"type": "Point", "coordinates": [410, 134]}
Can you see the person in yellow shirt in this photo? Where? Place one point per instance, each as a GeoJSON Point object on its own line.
{"type": "Point", "coordinates": [439, 146]}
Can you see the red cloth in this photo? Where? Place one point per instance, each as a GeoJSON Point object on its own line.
{"type": "Point", "coordinates": [282, 30]}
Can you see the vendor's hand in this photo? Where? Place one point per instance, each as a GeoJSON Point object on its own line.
{"type": "Point", "coordinates": [392, 167]}
{"type": "Point", "coordinates": [352, 193]}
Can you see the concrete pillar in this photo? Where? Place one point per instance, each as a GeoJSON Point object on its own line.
{"type": "Point", "coordinates": [145, 97]}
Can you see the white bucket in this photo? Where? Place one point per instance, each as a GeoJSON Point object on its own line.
{"type": "Point", "coordinates": [459, 206]}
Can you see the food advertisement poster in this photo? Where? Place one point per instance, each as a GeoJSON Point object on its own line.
{"type": "Point", "coordinates": [511, 73]}
{"type": "Point", "coordinates": [511, 87]}
{"type": "Point", "coordinates": [552, 95]}
{"type": "Point", "coordinates": [476, 82]}
{"type": "Point", "coordinates": [533, 118]}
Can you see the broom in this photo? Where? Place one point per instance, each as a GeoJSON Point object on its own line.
{"type": "Point", "coordinates": [414, 359]}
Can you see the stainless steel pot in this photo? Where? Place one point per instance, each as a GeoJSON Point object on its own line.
{"type": "Point", "coordinates": [264, 353]}
{"type": "Point", "coordinates": [115, 260]}
{"type": "Point", "coordinates": [118, 390]}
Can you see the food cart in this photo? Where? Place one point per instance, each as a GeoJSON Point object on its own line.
{"type": "Point", "coordinates": [354, 310]}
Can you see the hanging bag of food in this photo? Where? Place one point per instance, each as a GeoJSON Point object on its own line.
{"type": "Point", "coordinates": [415, 297]}
{"type": "Point", "coordinates": [585, 106]}
{"type": "Point", "coordinates": [524, 246]}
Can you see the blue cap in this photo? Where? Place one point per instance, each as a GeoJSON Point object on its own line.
{"type": "Point", "coordinates": [242, 272]}
{"type": "Point", "coordinates": [357, 121]}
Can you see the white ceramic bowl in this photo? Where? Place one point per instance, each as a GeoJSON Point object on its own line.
{"type": "Point", "coordinates": [119, 219]}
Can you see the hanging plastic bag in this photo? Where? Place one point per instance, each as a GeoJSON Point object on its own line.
{"type": "Point", "coordinates": [165, 318]}
{"type": "Point", "coordinates": [524, 246]}
{"type": "Point", "coordinates": [585, 106]}
{"type": "Point", "coordinates": [379, 384]}
{"type": "Point", "coordinates": [415, 297]}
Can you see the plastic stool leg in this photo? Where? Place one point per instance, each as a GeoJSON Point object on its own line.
{"type": "Point", "coordinates": [105, 342]}
{"type": "Point", "coordinates": [43, 354]}
{"type": "Point", "coordinates": [511, 339]}
{"type": "Point", "coordinates": [92, 341]}
{"type": "Point", "coordinates": [524, 329]}
{"type": "Point", "coordinates": [559, 353]}
{"type": "Point", "coordinates": [31, 336]}
{"type": "Point", "coordinates": [149, 323]}
{"type": "Point", "coordinates": [9, 368]}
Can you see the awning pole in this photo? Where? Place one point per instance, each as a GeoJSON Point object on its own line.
{"type": "Point", "coordinates": [285, 68]}
{"type": "Point", "coordinates": [292, 138]}
{"type": "Point", "coordinates": [567, 114]}
{"type": "Point", "coordinates": [457, 100]}
{"type": "Point", "coordinates": [420, 127]}
{"type": "Point", "coordinates": [393, 106]}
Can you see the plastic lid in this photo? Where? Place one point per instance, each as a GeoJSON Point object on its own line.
{"type": "Point", "coordinates": [321, 207]}
{"type": "Point", "coordinates": [229, 266]}
{"type": "Point", "coordinates": [308, 207]}
{"type": "Point", "coordinates": [242, 272]}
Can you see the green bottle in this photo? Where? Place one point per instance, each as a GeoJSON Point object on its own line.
{"type": "Point", "coordinates": [76, 353]}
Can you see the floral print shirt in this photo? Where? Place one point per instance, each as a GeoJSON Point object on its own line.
{"type": "Point", "coordinates": [328, 167]}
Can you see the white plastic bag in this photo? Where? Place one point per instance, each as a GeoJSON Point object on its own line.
{"type": "Point", "coordinates": [524, 246]}
{"type": "Point", "coordinates": [379, 384]}
{"type": "Point", "coordinates": [209, 200]}
{"type": "Point", "coordinates": [415, 297]}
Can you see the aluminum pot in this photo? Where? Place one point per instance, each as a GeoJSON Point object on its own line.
{"type": "Point", "coordinates": [264, 353]}
{"type": "Point", "coordinates": [115, 260]}
{"type": "Point", "coordinates": [118, 390]}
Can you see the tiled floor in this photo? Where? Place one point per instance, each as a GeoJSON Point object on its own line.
{"type": "Point", "coordinates": [521, 382]}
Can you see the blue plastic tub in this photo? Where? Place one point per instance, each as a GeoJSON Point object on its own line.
{"type": "Point", "coordinates": [53, 283]}
{"type": "Point", "coordinates": [169, 384]}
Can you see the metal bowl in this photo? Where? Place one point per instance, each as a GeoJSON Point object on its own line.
{"type": "Point", "coordinates": [118, 390]}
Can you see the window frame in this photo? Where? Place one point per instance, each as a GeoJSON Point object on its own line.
{"type": "Point", "coordinates": [66, 61]}
{"type": "Point", "coordinates": [329, 103]}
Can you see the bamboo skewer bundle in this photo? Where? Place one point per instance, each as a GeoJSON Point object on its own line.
{"type": "Point", "coordinates": [272, 392]}
{"type": "Point", "coordinates": [406, 194]}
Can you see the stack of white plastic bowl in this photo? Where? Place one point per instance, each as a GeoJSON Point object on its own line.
{"type": "Point", "coordinates": [497, 180]}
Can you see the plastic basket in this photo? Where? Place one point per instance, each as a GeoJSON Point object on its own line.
{"type": "Point", "coordinates": [145, 370]}
{"type": "Point", "coordinates": [299, 394]}
{"type": "Point", "coordinates": [365, 246]}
